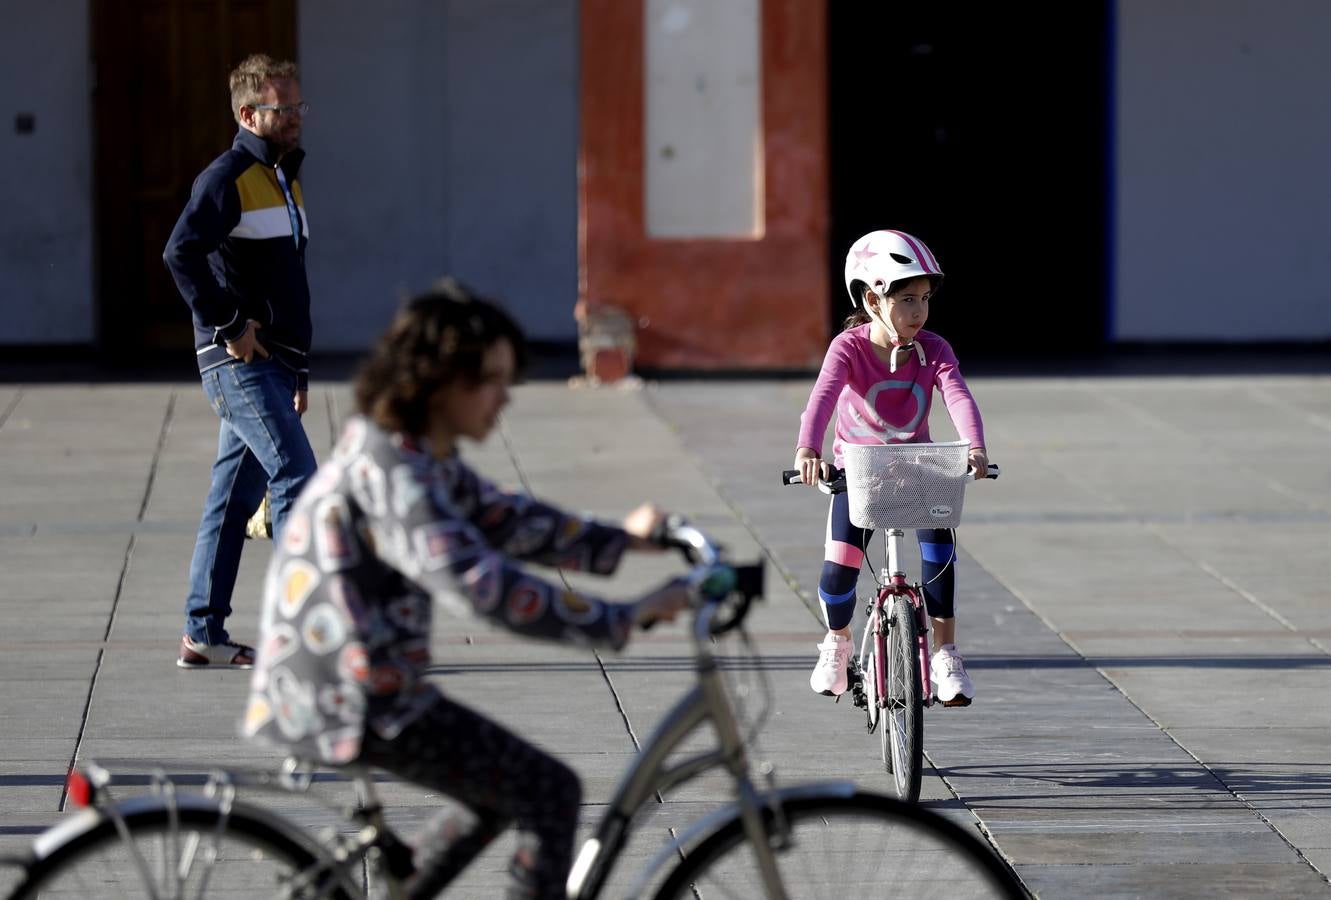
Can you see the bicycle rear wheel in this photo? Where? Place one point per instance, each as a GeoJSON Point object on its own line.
{"type": "Point", "coordinates": [903, 707]}
{"type": "Point", "coordinates": [202, 853]}
{"type": "Point", "coordinates": [857, 845]}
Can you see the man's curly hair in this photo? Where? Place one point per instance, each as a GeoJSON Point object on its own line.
{"type": "Point", "coordinates": [437, 338]}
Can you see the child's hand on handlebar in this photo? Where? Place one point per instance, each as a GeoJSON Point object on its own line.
{"type": "Point", "coordinates": [645, 525]}
{"type": "Point", "coordinates": [811, 467]}
{"type": "Point", "coordinates": [662, 604]}
{"type": "Point", "coordinates": [979, 462]}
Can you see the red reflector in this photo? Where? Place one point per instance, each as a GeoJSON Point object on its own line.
{"type": "Point", "coordinates": [80, 788]}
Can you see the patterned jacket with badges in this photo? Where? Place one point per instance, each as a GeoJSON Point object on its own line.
{"type": "Point", "coordinates": [383, 531]}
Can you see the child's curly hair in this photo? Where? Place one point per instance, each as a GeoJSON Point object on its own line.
{"type": "Point", "coordinates": [435, 339]}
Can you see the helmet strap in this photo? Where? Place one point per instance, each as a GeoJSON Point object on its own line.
{"type": "Point", "coordinates": [892, 336]}
{"type": "Point", "coordinates": [895, 339]}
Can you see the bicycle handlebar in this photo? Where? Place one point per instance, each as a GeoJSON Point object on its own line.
{"type": "Point", "coordinates": [713, 583]}
{"type": "Point", "coordinates": [837, 483]}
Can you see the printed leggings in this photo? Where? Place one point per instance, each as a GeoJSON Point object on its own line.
{"type": "Point", "coordinates": [844, 553]}
{"type": "Point", "coordinates": [502, 780]}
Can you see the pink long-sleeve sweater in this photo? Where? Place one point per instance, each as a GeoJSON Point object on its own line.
{"type": "Point", "coordinates": [876, 406]}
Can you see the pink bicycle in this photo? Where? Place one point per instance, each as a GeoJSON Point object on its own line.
{"type": "Point", "coordinates": [893, 487]}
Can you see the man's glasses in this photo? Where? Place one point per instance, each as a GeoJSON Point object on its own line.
{"type": "Point", "coordinates": [283, 109]}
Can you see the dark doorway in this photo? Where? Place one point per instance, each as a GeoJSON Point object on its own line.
{"type": "Point", "coordinates": [981, 128]}
{"type": "Point", "coordinates": [162, 113]}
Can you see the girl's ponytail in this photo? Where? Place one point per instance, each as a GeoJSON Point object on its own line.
{"type": "Point", "coordinates": [855, 319]}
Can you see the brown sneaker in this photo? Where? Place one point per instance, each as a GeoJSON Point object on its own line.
{"type": "Point", "coordinates": [227, 655]}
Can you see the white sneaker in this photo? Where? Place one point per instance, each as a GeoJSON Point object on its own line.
{"type": "Point", "coordinates": [952, 686]}
{"type": "Point", "coordinates": [829, 676]}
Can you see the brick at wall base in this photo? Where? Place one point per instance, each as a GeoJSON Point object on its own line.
{"type": "Point", "coordinates": [607, 364]}
{"type": "Point", "coordinates": [606, 341]}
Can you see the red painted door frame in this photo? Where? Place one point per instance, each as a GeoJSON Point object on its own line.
{"type": "Point", "coordinates": [708, 303]}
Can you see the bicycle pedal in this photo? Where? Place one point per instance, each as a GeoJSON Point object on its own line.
{"type": "Point", "coordinates": [958, 700]}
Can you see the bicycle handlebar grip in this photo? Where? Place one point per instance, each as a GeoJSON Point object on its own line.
{"type": "Point", "coordinates": [835, 485]}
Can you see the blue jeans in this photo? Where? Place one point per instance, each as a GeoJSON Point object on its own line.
{"type": "Point", "coordinates": [260, 446]}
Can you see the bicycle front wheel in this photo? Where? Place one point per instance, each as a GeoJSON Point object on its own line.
{"type": "Point", "coordinates": [903, 706]}
{"type": "Point", "coordinates": [833, 847]}
{"type": "Point", "coordinates": [194, 852]}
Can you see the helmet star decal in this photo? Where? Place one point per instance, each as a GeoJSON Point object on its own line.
{"type": "Point", "coordinates": [863, 253]}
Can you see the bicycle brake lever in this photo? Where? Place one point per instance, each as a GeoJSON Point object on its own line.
{"type": "Point", "coordinates": [835, 486]}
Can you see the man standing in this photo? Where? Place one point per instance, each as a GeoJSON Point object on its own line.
{"type": "Point", "coordinates": [237, 254]}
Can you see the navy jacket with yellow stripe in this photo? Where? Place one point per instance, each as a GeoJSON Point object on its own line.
{"type": "Point", "coordinates": [235, 254]}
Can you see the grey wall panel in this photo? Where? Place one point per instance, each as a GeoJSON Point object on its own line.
{"type": "Point", "coordinates": [374, 177]}
{"type": "Point", "coordinates": [443, 141]}
{"type": "Point", "coordinates": [512, 92]}
{"type": "Point", "coordinates": [46, 237]}
{"type": "Point", "coordinates": [1224, 194]}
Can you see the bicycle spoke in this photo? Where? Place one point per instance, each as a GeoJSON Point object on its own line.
{"type": "Point", "coordinates": [131, 850]}
{"type": "Point", "coordinates": [175, 861]}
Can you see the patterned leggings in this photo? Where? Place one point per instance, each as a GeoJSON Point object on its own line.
{"type": "Point", "coordinates": [502, 779]}
{"type": "Point", "coordinates": [844, 553]}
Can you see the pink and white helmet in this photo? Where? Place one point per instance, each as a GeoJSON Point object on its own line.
{"type": "Point", "coordinates": [882, 257]}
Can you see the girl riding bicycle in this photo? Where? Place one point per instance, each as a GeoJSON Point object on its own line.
{"type": "Point", "coordinates": [396, 521]}
{"type": "Point", "coordinates": [878, 378]}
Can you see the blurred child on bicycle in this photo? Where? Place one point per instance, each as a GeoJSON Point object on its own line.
{"type": "Point", "coordinates": [878, 378]}
{"type": "Point", "coordinates": [396, 521]}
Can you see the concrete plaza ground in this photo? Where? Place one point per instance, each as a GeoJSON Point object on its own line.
{"type": "Point", "coordinates": [1143, 605]}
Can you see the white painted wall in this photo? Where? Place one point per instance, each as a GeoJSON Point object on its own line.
{"type": "Point", "coordinates": [46, 187]}
{"type": "Point", "coordinates": [1224, 171]}
{"type": "Point", "coordinates": [443, 141]}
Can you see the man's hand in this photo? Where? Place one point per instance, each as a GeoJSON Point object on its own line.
{"type": "Point", "coordinates": [244, 347]}
{"type": "Point", "coordinates": [641, 524]}
{"type": "Point", "coordinates": [302, 402]}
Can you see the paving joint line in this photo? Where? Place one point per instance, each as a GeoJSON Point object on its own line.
{"type": "Point", "coordinates": [167, 419]}
{"type": "Point", "coordinates": [516, 459]}
{"type": "Point", "coordinates": [1228, 582]}
{"type": "Point", "coordinates": [13, 405]}
{"type": "Point", "coordinates": [96, 672]}
{"type": "Point", "coordinates": [331, 409]}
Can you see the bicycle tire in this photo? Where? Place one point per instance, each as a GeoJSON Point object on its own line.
{"type": "Point", "coordinates": [254, 857]}
{"type": "Point", "coordinates": [903, 719]}
{"type": "Point", "coordinates": [854, 845]}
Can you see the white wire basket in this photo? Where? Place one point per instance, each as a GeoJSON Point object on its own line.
{"type": "Point", "coordinates": [906, 485]}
